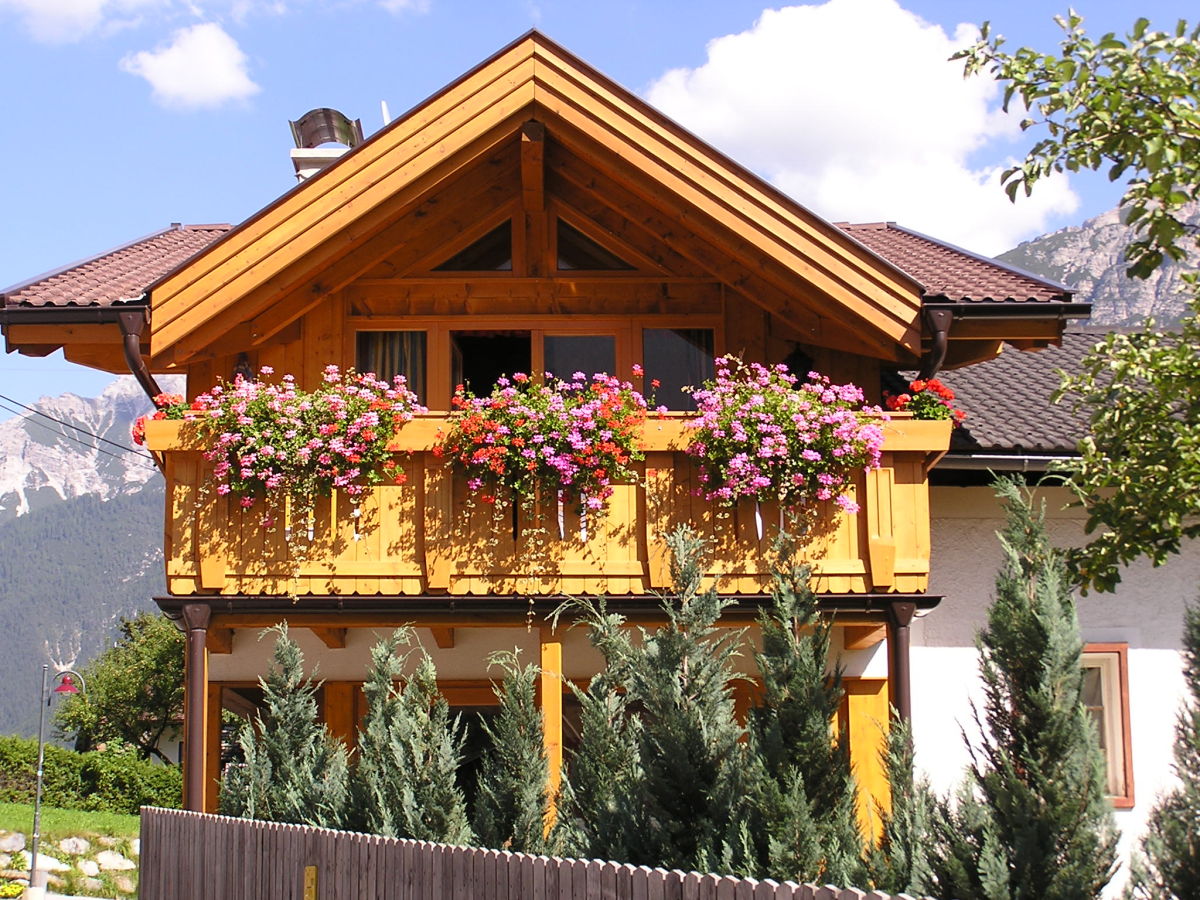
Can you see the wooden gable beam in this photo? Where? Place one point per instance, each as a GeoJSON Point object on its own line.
{"type": "Point", "coordinates": [333, 638]}
{"type": "Point", "coordinates": [532, 246]}
{"type": "Point", "coordinates": [437, 214]}
{"type": "Point", "coordinates": [591, 191]}
{"type": "Point", "coordinates": [443, 637]}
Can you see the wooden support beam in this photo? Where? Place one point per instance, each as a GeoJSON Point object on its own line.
{"type": "Point", "coordinates": [338, 710]}
{"type": "Point", "coordinates": [551, 684]}
{"type": "Point", "coordinates": [333, 638]}
{"type": "Point", "coordinates": [443, 637]}
{"type": "Point", "coordinates": [535, 237]}
{"type": "Point", "coordinates": [220, 640]}
{"type": "Point", "coordinates": [862, 637]}
{"type": "Point", "coordinates": [212, 749]}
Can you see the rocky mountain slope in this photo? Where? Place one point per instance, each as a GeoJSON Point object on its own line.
{"type": "Point", "coordinates": [72, 447]}
{"type": "Point", "coordinates": [1091, 257]}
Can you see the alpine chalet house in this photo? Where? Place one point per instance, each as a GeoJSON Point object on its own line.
{"type": "Point", "coordinates": [532, 215]}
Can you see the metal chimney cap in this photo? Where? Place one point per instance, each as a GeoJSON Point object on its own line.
{"type": "Point", "coordinates": [323, 126]}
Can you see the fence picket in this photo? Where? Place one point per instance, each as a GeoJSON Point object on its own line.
{"type": "Point", "coordinates": [186, 855]}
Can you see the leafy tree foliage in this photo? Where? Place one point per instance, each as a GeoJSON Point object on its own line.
{"type": "Point", "coordinates": [898, 863]}
{"type": "Point", "coordinates": [1032, 821]}
{"type": "Point", "coordinates": [409, 751]}
{"type": "Point", "coordinates": [1127, 104]}
{"type": "Point", "coordinates": [294, 769]}
{"type": "Point", "coordinates": [512, 799]}
{"type": "Point", "coordinates": [805, 822]}
{"type": "Point", "coordinates": [1169, 864]}
{"type": "Point", "coordinates": [1130, 105]}
{"type": "Point", "coordinates": [660, 777]}
{"type": "Point", "coordinates": [134, 690]}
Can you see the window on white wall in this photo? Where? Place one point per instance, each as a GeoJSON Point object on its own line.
{"type": "Point", "coordinates": [1106, 698]}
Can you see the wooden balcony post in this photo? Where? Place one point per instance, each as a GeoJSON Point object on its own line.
{"type": "Point", "coordinates": [551, 691]}
{"type": "Point", "coordinates": [196, 617]}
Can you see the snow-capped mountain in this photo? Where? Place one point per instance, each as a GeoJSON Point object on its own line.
{"type": "Point", "coordinates": [56, 453]}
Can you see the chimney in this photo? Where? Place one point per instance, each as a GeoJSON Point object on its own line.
{"type": "Point", "coordinates": [317, 127]}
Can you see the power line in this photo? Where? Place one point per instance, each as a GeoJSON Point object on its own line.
{"type": "Point", "coordinates": [69, 437]}
{"type": "Point", "coordinates": [90, 434]}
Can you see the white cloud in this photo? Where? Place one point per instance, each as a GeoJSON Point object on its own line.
{"type": "Point", "coordinates": [852, 108]}
{"type": "Point", "coordinates": [401, 6]}
{"type": "Point", "coordinates": [65, 21]}
{"type": "Point", "coordinates": [202, 66]}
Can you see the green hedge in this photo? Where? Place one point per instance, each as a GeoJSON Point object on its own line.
{"type": "Point", "coordinates": [102, 781]}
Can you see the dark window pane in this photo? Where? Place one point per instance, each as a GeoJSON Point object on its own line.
{"type": "Point", "coordinates": [578, 251]}
{"type": "Point", "coordinates": [678, 358]}
{"type": "Point", "coordinates": [567, 354]}
{"type": "Point", "coordinates": [387, 354]}
{"type": "Point", "coordinates": [479, 358]}
{"type": "Point", "coordinates": [491, 253]}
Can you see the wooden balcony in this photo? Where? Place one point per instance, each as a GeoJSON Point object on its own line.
{"type": "Point", "coordinates": [430, 536]}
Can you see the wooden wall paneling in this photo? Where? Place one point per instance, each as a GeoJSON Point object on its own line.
{"type": "Point", "coordinates": [878, 491]}
{"type": "Point", "coordinates": [438, 517]}
{"type": "Point", "coordinates": [182, 480]}
{"type": "Point", "coordinates": [338, 710]}
{"type": "Point", "coordinates": [660, 509]}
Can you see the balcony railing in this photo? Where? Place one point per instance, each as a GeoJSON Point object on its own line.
{"type": "Point", "coordinates": [430, 535]}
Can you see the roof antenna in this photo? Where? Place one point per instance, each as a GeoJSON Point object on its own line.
{"type": "Point", "coordinates": [387, 116]}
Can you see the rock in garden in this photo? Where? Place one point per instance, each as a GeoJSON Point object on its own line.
{"type": "Point", "coordinates": [135, 846]}
{"type": "Point", "coordinates": [5, 860]}
{"type": "Point", "coordinates": [10, 842]}
{"type": "Point", "coordinates": [50, 864]}
{"type": "Point", "coordinates": [124, 884]}
{"type": "Point", "coordinates": [111, 861]}
{"type": "Point", "coordinates": [74, 846]}
{"type": "Point", "coordinates": [88, 867]}
{"type": "Point", "coordinates": [92, 884]}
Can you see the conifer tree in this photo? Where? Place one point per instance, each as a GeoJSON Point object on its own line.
{"type": "Point", "coordinates": [1032, 822]}
{"type": "Point", "coordinates": [513, 799]}
{"type": "Point", "coordinates": [683, 803]}
{"type": "Point", "coordinates": [604, 776]}
{"type": "Point", "coordinates": [409, 751]}
{"type": "Point", "coordinates": [807, 825]}
{"type": "Point", "coordinates": [294, 769]}
{"type": "Point", "coordinates": [898, 863]}
{"type": "Point", "coordinates": [1168, 866]}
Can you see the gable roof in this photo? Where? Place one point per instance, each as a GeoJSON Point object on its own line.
{"type": "Point", "coordinates": [114, 276]}
{"type": "Point", "coordinates": [282, 248]}
{"type": "Point", "coordinates": [950, 273]}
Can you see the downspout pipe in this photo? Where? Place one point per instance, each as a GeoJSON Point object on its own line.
{"type": "Point", "coordinates": [133, 322]}
{"type": "Point", "coordinates": [937, 324]}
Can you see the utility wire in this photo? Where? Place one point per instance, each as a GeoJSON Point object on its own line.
{"type": "Point", "coordinates": [125, 451]}
{"type": "Point", "coordinates": [90, 434]}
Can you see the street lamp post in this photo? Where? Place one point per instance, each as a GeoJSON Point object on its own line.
{"type": "Point", "coordinates": [66, 679]}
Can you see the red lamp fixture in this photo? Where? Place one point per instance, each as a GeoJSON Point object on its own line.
{"type": "Point", "coordinates": [66, 685]}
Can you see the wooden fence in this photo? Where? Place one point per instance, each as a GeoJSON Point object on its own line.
{"type": "Point", "coordinates": [186, 855]}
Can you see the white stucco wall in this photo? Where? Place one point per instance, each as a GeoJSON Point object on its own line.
{"type": "Point", "coordinates": [1146, 612]}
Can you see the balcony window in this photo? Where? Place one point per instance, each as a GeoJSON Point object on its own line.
{"type": "Point", "coordinates": [391, 353]}
{"type": "Point", "coordinates": [566, 354]}
{"type": "Point", "coordinates": [480, 358]}
{"type": "Point", "coordinates": [677, 358]}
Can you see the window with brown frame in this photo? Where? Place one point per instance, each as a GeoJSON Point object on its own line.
{"type": "Point", "coordinates": [1106, 698]}
{"type": "Point", "coordinates": [387, 354]}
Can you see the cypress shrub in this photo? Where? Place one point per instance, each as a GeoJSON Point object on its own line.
{"type": "Point", "coordinates": [294, 769]}
{"type": "Point", "coordinates": [1032, 822]}
{"type": "Point", "coordinates": [409, 752]}
{"type": "Point", "coordinates": [1168, 865]}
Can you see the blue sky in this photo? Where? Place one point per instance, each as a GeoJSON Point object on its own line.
{"type": "Point", "coordinates": [125, 115]}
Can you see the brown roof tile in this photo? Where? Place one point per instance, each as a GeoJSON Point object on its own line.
{"type": "Point", "coordinates": [950, 273]}
{"type": "Point", "coordinates": [1007, 399]}
{"type": "Point", "coordinates": [120, 274]}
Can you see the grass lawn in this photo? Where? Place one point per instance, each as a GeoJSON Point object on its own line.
{"type": "Point", "coordinates": [61, 823]}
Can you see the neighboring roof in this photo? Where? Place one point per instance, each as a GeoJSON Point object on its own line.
{"type": "Point", "coordinates": [115, 275]}
{"type": "Point", "coordinates": [1007, 400]}
{"type": "Point", "coordinates": [949, 273]}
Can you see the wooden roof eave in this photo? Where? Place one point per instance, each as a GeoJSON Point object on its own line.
{"type": "Point", "coordinates": [786, 236]}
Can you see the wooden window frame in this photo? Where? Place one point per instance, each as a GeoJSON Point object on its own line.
{"type": "Point", "coordinates": [1113, 661]}
{"type": "Point", "coordinates": [626, 329]}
